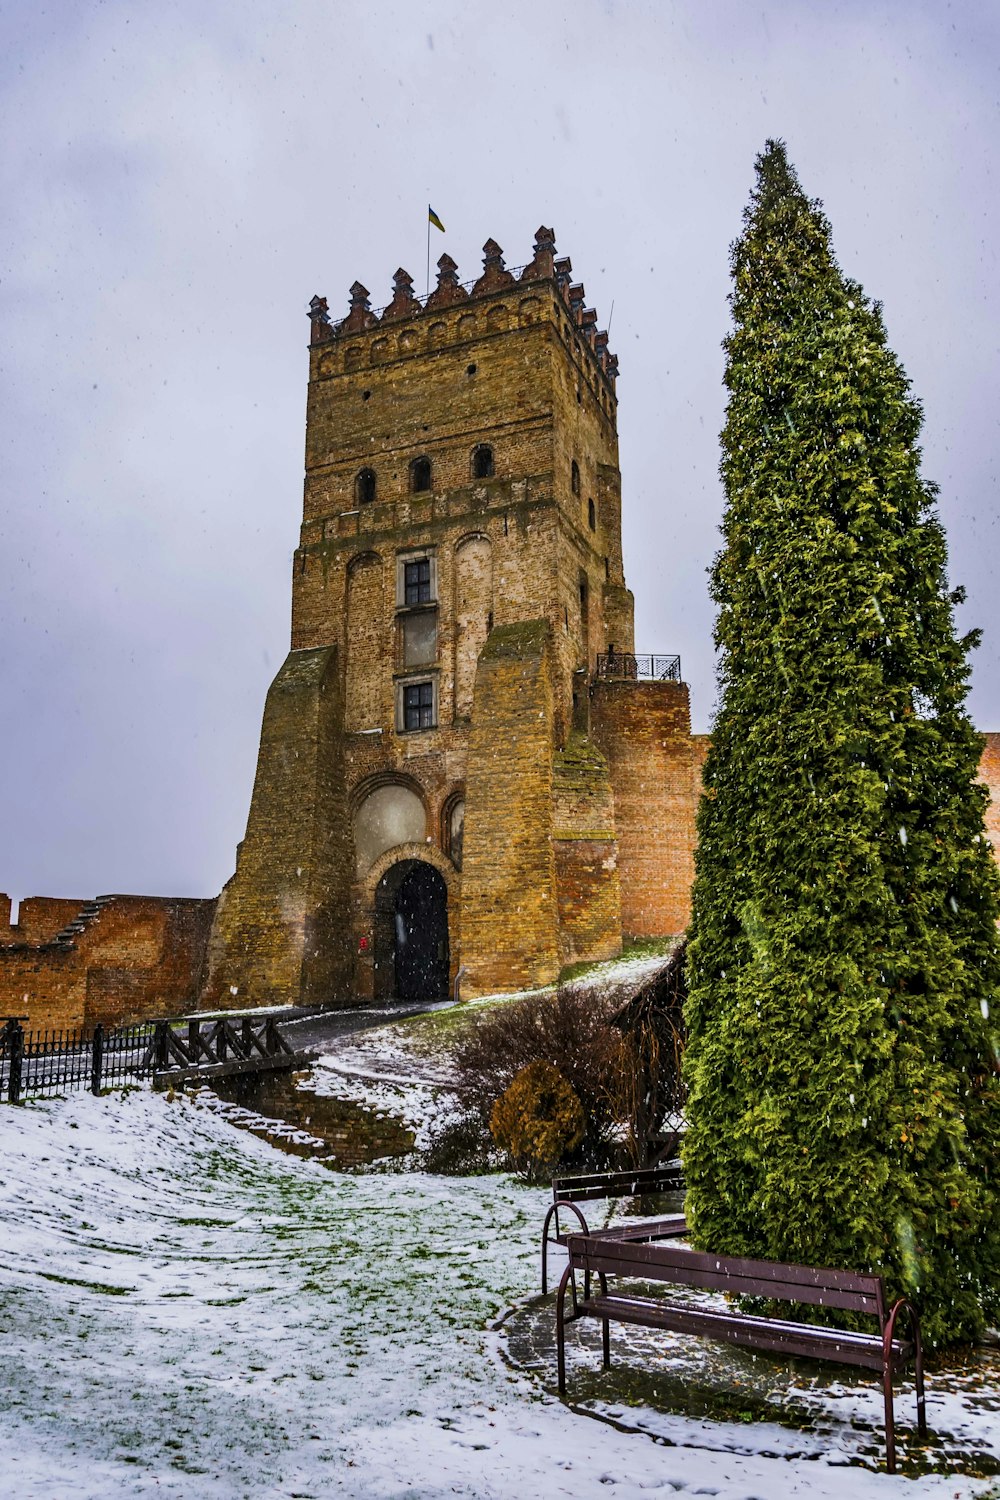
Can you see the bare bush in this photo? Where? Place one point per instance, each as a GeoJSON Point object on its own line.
{"type": "Point", "coordinates": [570, 1031]}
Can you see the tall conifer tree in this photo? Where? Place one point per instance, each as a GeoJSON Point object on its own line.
{"type": "Point", "coordinates": [843, 1056]}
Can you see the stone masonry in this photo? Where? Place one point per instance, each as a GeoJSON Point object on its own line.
{"type": "Point", "coordinates": [68, 964]}
{"type": "Point", "coordinates": [476, 793]}
{"type": "Point", "coordinates": [465, 777]}
{"type": "Point", "coordinates": [468, 793]}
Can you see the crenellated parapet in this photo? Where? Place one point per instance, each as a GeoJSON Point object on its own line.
{"type": "Point", "coordinates": [524, 286]}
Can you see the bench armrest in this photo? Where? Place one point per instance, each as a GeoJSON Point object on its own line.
{"type": "Point", "coordinates": [553, 1212]}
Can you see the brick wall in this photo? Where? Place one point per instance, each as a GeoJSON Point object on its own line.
{"type": "Point", "coordinates": [47, 985]}
{"type": "Point", "coordinates": [509, 909]}
{"type": "Point", "coordinates": [474, 613]}
{"type": "Point", "coordinates": [366, 642]}
{"type": "Point", "coordinates": [135, 958]}
{"type": "Point", "coordinates": [586, 853]}
{"type": "Point", "coordinates": [644, 730]}
{"type": "Point", "coordinates": [989, 771]}
{"type": "Point", "coordinates": [279, 932]}
{"type": "Point", "coordinates": [39, 918]}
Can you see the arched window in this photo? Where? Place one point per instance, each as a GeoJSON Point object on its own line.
{"type": "Point", "coordinates": [591, 515]}
{"type": "Point", "coordinates": [390, 814]}
{"type": "Point", "coordinates": [482, 462]}
{"type": "Point", "coordinates": [574, 477]}
{"type": "Point", "coordinates": [453, 827]}
{"type": "Point", "coordinates": [364, 487]}
{"type": "Point", "coordinates": [420, 475]}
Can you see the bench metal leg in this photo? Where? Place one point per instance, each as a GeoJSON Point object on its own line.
{"type": "Point", "coordinates": [606, 1334]}
{"type": "Point", "coordinates": [918, 1359]}
{"type": "Point", "coordinates": [561, 1329]}
{"type": "Point", "coordinates": [545, 1249]}
{"type": "Point", "coordinates": [919, 1363]}
{"type": "Point", "coordinates": [890, 1428]}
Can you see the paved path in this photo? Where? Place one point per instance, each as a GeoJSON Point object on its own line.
{"type": "Point", "coordinates": [314, 1032]}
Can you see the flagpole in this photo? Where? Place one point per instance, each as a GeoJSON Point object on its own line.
{"type": "Point", "coordinates": [428, 279]}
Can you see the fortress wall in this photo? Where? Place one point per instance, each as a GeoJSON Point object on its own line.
{"type": "Point", "coordinates": [39, 918]}
{"type": "Point", "coordinates": [46, 985]}
{"type": "Point", "coordinates": [136, 958]}
{"type": "Point", "coordinates": [278, 935]}
{"type": "Point", "coordinates": [586, 854]}
{"type": "Point", "coordinates": [644, 730]}
{"type": "Point", "coordinates": [145, 959]}
{"type": "Point", "coordinates": [509, 920]}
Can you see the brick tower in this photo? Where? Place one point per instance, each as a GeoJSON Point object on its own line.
{"type": "Point", "coordinates": [459, 767]}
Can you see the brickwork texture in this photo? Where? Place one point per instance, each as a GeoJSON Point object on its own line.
{"type": "Point", "coordinates": [445, 777]}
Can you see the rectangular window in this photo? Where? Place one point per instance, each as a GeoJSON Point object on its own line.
{"type": "Point", "coordinates": [417, 581]}
{"type": "Point", "coordinates": [418, 705]}
{"type": "Point", "coordinates": [419, 638]}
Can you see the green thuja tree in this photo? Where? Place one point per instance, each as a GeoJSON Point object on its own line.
{"type": "Point", "coordinates": [842, 1058]}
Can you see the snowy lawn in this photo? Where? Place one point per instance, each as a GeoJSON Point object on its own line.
{"type": "Point", "coordinates": [404, 1068]}
{"type": "Point", "coordinates": [188, 1312]}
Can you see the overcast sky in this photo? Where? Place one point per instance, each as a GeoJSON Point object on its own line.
{"type": "Point", "coordinates": [178, 179]}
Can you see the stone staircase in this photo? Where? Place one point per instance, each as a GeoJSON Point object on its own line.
{"type": "Point", "coordinates": [90, 910]}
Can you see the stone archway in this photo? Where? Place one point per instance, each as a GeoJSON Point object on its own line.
{"type": "Point", "coordinates": [411, 932]}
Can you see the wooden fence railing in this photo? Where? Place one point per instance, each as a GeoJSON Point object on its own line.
{"type": "Point", "coordinates": [35, 1064]}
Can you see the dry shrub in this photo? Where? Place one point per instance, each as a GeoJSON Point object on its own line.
{"type": "Point", "coordinates": [538, 1120]}
{"type": "Point", "coordinates": [567, 1030]}
{"type": "Point", "coordinates": [618, 1047]}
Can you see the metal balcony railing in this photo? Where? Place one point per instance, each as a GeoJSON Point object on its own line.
{"type": "Point", "coordinates": [623, 666]}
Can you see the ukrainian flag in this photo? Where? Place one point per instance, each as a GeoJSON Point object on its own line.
{"type": "Point", "coordinates": [432, 216]}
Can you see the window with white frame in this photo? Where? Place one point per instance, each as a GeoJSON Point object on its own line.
{"type": "Point", "coordinates": [416, 704]}
{"type": "Point", "coordinates": [416, 579]}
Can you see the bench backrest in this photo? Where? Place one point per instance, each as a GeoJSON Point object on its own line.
{"type": "Point", "coordinates": [729, 1273]}
{"type": "Point", "coordinates": [586, 1188]}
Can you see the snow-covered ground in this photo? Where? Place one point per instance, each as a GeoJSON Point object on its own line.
{"type": "Point", "coordinates": [185, 1311]}
{"type": "Point", "coordinates": [401, 1069]}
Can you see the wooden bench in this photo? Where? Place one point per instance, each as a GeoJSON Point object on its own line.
{"type": "Point", "coordinates": [601, 1258]}
{"type": "Point", "coordinates": [591, 1187]}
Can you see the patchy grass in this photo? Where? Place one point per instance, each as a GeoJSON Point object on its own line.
{"type": "Point", "coordinates": [286, 1330]}
{"type": "Point", "coordinates": [439, 1031]}
{"type": "Point", "coordinates": [633, 948]}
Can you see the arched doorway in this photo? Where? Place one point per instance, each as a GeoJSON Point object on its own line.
{"type": "Point", "coordinates": [411, 932]}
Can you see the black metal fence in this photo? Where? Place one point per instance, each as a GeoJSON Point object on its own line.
{"type": "Point", "coordinates": [38, 1063]}
{"type": "Point", "coordinates": [624, 666]}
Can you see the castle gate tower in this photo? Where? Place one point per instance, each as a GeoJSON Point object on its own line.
{"type": "Point", "coordinates": [435, 787]}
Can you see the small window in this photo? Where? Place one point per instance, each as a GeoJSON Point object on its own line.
{"type": "Point", "coordinates": [591, 515]}
{"type": "Point", "coordinates": [420, 475]}
{"type": "Point", "coordinates": [364, 487]}
{"type": "Point", "coordinates": [482, 462]}
{"type": "Point", "coordinates": [455, 831]}
{"type": "Point", "coordinates": [417, 581]}
{"type": "Point", "coordinates": [574, 477]}
{"type": "Point", "coordinates": [418, 705]}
